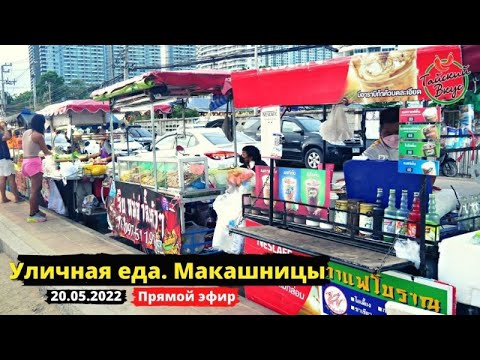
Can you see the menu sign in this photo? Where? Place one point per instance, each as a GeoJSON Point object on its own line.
{"type": "Point", "coordinates": [419, 146]}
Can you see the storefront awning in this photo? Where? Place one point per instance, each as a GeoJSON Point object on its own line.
{"type": "Point", "coordinates": [76, 106]}
{"type": "Point", "coordinates": [168, 83]}
{"type": "Point", "coordinates": [403, 75]}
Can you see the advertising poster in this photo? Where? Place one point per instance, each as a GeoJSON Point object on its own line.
{"type": "Point", "coordinates": [421, 167]}
{"type": "Point", "coordinates": [429, 132]}
{"type": "Point", "coordinates": [434, 73]}
{"type": "Point", "coordinates": [314, 191]}
{"type": "Point", "coordinates": [262, 188]}
{"type": "Point", "coordinates": [420, 115]}
{"type": "Point", "coordinates": [419, 141]}
{"type": "Point", "coordinates": [419, 149]}
{"type": "Point", "coordinates": [408, 75]}
{"type": "Point", "coordinates": [339, 300]}
{"type": "Point", "coordinates": [270, 132]}
{"type": "Point", "coordinates": [290, 187]}
{"type": "Point", "coordinates": [161, 229]}
{"type": "Point", "coordinates": [351, 291]}
{"type": "Point", "coordinates": [146, 217]}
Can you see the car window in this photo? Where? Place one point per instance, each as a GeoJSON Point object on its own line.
{"type": "Point", "coordinates": [167, 143]}
{"type": "Point", "coordinates": [311, 125]}
{"type": "Point", "coordinates": [192, 142]}
{"type": "Point", "coordinates": [183, 141]}
{"type": "Point", "coordinates": [221, 139]}
{"type": "Point", "coordinates": [140, 132]}
{"type": "Point", "coordinates": [250, 123]}
{"type": "Point", "coordinates": [290, 127]}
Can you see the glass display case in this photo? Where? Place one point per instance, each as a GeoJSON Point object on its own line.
{"type": "Point", "coordinates": [185, 175]}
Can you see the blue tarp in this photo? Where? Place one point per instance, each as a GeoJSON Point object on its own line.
{"type": "Point", "coordinates": [203, 105]}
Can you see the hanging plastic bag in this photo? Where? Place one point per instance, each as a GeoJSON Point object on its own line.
{"type": "Point", "coordinates": [335, 130]}
{"type": "Point", "coordinates": [55, 201]}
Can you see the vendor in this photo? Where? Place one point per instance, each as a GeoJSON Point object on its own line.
{"type": "Point", "coordinates": [251, 157]}
{"type": "Point", "coordinates": [105, 155]}
{"type": "Point", "coordinates": [386, 148]}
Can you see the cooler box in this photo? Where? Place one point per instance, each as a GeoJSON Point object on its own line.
{"type": "Point", "coordinates": [363, 177]}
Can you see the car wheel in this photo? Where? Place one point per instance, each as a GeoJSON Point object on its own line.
{"type": "Point", "coordinates": [313, 158]}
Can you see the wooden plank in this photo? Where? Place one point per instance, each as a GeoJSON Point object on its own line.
{"type": "Point", "coordinates": [347, 254]}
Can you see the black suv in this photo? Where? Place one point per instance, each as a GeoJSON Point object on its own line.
{"type": "Point", "coordinates": [304, 144]}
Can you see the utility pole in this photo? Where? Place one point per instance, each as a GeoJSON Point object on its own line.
{"type": "Point", "coordinates": [125, 63]}
{"type": "Point", "coordinates": [2, 71]}
{"type": "Point", "coordinates": [49, 92]}
{"type": "Point", "coordinates": [34, 85]}
{"type": "Point", "coordinates": [111, 68]}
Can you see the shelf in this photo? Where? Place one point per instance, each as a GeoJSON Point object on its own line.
{"type": "Point", "coordinates": [365, 259]}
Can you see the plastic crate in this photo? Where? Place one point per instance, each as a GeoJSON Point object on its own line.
{"type": "Point", "coordinates": [194, 239]}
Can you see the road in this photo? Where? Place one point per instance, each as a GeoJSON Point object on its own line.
{"type": "Point", "coordinates": [16, 299]}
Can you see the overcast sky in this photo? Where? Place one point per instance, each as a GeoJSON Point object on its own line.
{"type": "Point", "coordinates": [19, 71]}
{"type": "Point", "coordinates": [18, 56]}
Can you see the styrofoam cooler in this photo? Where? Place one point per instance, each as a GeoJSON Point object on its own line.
{"type": "Point", "coordinates": [459, 265]}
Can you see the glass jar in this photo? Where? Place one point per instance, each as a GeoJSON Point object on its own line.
{"type": "Point", "coordinates": [366, 219]}
{"type": "Point", "coordinates": [341, 215]}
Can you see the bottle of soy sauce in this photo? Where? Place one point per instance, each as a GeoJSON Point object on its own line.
{"type": "Point", "coordinates": [378, 216]}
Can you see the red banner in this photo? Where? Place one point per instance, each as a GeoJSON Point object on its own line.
{"type": "Point", "coordinates": [168, 296]}
{"type": "Point", "coordinates": [432, 73]}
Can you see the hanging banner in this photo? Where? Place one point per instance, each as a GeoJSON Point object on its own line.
{"type": "Point", "coordinates": [434, 73]}
{"type": "Point", "coordinates": [271, 146]}
{"type": "Point", "coordinates": [145, 217]}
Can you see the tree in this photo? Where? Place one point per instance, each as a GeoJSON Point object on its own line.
{"type": "Point", "coordinates": [77, 90]}
{"type": "Point", "coordinates": [177, 112]}
{"type": "Point", "coordinates": [51, 88]}
{"type": "Point", "coordinates": [20, 101]}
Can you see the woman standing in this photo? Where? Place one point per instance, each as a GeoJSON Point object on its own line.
{"type": "Point", "coordinates": [33, 141]}
{"type": "Point", "coordinates": [251, 157]}
{"type": "Point", "coordinates": [7, 169]}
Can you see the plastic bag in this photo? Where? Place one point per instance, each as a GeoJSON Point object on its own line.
{"type": "Point", "coordinates": [55, 201]}
{"type": "Point", "coordinates": [408, 250]}
{"type": "Point", "coordinates": [335, 130]}
{"type": "Point", "coordinates": [229, 210]}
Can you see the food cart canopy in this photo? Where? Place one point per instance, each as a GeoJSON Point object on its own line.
{"type": "Point", "coordinates": [167, 84]}
{"type": "Point", "coordinates": [76, 106]}
{"type": "Point", "coordinates": [366, 78]}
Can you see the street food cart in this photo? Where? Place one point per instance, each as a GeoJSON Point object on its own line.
{"type": "Point", "coordinates": [366, 272]}
{"type": "Point", "coordinates": [72, 179]}
{"type": "Point", "coordinates": [148, 197]}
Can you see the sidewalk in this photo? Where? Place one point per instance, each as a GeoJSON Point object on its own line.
{"type": "Point", "coordinates": [60, 236]}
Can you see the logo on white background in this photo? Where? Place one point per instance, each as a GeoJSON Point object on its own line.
{"type": "Point", "coordinates": [335, 300]}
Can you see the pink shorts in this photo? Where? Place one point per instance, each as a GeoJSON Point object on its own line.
{"type": "Point", "coordinates": [32, 166]}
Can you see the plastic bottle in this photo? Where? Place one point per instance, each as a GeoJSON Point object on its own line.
{"type": "Point", "coordinates": [402, 215]}
{"type": "Point", "coordinates": [378, 216]}
{"type": "Point", "coordinates": [389, 215]}
{"type": "Point", "coordinates": [463, 225]}
{"type": "Point", "coordinates": [432, 221]}
{"type": "Point", "coordinates": [413, 226]}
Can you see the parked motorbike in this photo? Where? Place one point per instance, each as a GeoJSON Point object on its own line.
{"type": "Point", "coordinates": [448, 166]}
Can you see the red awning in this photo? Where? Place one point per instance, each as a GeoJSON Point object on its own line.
{"type": "Point", "coordinates": [75, 106]}
{"type": "Point", "coordinates": [406, 75]}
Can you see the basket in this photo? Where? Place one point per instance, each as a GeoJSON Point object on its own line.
{"type": "Point", "coordinates": [193, 239]}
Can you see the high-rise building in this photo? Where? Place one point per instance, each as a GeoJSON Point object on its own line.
{"type": "Point", "coordinates": [293, 57]}
{"type": "Point", "coordinates": [177, 54]}
{"type": "Point", "coordinates": [282, 57]}
{"type": "Point", "coordinates": [72, 62]}
{"type": "Point", "coordinates": [349, 50]}
{"type": "Point", "coordinates": [219, 55]}
{"type": "Point", "coordinates": [91, 63]}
